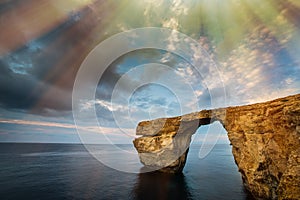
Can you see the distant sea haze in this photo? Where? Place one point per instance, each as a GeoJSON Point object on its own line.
{"type": "Point", "coordinates": [68, 171]}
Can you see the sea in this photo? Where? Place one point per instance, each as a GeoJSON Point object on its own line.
{"type": "Point", "coordinates": [69, 171]}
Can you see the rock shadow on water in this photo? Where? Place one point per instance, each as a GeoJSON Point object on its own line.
{"type": "Point", "coordinates": [159, 185]}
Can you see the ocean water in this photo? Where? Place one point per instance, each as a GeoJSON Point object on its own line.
{"type": "Point", "coordinates": [68, 171]}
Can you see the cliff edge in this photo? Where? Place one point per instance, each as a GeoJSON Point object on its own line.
{"type": "Point", "coordinates": [265, 139]}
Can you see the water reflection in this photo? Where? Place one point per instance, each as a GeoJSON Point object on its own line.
{"type": "Point", "coordinates": [156, 185]}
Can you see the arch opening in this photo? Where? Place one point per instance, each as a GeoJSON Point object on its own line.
{"type": "Point", "coordinates": [217, 170]}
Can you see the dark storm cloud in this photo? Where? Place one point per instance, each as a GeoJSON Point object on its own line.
{"type": "Point", "coordinates": [23, 77]}
{"type": "Point", "coordinates": [17, 90]}
{"type": "Point", "coordinates": [22, 91]}
{"type": "Point", "coordinates": [39, 75]}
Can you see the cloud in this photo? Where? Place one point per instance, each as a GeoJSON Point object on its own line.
{"type": "Point", "coordinates": [105, 104]}
{"type": "Point", "coordinates": [171, 23]}
{"type": "Point", "coordinates": [257, 68]}
{"type": "Point", "coordinates": [23, 82]}
{"type": "Point", "coordinates": [257, 65]}
{"type": "Point", "coordinates": [39, 70]}
{"type": "Point", "coordinates": [22, 91]}
{"type": "Point", "coordinates": [37, 123]}
{"type": "Point", "coordinates": [93, 129]}
{"type": "Point", "coordinates": [24, 26]}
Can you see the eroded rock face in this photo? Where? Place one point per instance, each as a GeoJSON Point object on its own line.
{"type": "Point", "coordinates": [265, 140]}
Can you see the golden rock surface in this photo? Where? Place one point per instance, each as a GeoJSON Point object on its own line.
{"type": "Point", "coordinates": [265, 139]}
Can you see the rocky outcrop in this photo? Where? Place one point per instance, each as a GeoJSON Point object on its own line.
{"type": "Point", "coordinates": [265, 139]}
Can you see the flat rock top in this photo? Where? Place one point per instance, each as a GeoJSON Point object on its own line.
{"type": "Point", "coordinates": [161, 125]}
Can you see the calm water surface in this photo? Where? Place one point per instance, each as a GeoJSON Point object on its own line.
{"type": "Point", "coordinates": [68, 171]}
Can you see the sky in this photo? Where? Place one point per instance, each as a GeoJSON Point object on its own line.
{"type": "Point", "coordinates": [238, 52]}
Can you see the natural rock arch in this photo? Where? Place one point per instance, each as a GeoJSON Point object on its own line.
{"type": "Point", "coordinates": [265, 140]}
